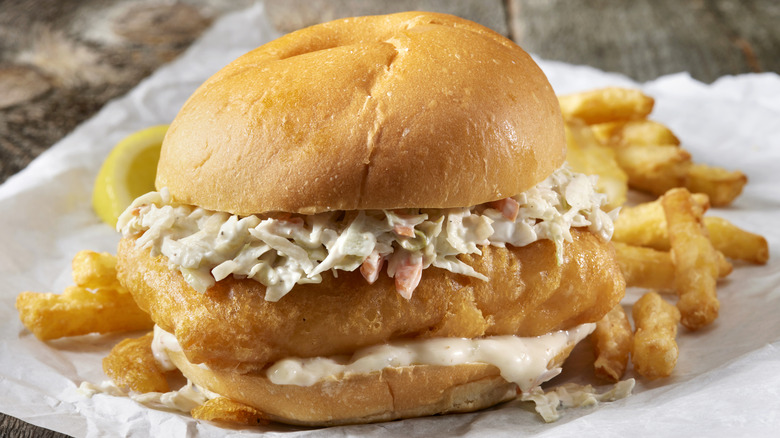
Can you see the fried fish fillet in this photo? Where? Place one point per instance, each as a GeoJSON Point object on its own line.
{"type": "Point", "coordinates": [232, 326]}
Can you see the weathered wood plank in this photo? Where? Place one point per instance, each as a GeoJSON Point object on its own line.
{"type": "Point", "coordinates": [14, 427]}
{"type": "Point", "coordinates": [649, 38]}
{"type": "Point", "coordinates": [290, 15]}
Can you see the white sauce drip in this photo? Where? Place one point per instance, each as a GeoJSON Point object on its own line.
{"type": "Point", "coordinates": [547, 404]}
{"type": "Point", "coordinates": [282, 251]}
{"type": "Point", "coordinates": [522, 361]}
{"type": "Point", "coordinates": [161, 344]}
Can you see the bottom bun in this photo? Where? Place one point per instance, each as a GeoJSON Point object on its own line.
{"type": "Point", "coordinates": [390, 394]}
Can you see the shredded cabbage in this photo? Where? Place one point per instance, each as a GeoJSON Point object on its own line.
{"type": "Point", "coordinates": [572, 395]}
{"type": "Point", "coordinates": [280, 252]}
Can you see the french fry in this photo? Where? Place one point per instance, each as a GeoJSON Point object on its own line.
{"type": "Point", "coordinates": [606, 105]}
{"type": "Point", "coordinates": [645, 133]}
{"type": "Point", "coordinates": [131, 365]}
{"type": "Point", "coordinates": [635, 132]}
{"type": "Point", "coordinates": [92, 270]}
{"type": "Point", "coordinates": [652, 269]}
{"type": "Point", "coordinates": [724, 266]}
{"type": "Point", "coordinates": [645, 224]}
{"type": "Point", "coordinates": [654, 169]}
{"type": "Point", "coordinates": [97, 304]}
{"type": "Point", "coordinates": [721, 185]}
{"type": "Point", "coordinates": [654, 351]}
{"type": "Point", "coordinates": [736, 243]}
{"type": "Point", "coordinates": [645, 267]}
{"type": "Point", "coordinates": [618, 118]}
{"type": "Point", "coordinates": [79, 311]}
{"type": "Point", "coordinates": [612, 340]}
{"type": "Point", "coordinates": [605, 132]}
{"type": "Point", "coordinates": [585, 154]}
{"type": "Point", "coordinates": [225, 410]}
{"type": "Point", "coordinates": [695, 260]}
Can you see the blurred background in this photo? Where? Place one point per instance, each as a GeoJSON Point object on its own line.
{"type": "Point", "coordinates": [62, 60]}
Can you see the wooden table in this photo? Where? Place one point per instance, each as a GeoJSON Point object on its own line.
{"type": "Point", "coordinates": [61, 61]}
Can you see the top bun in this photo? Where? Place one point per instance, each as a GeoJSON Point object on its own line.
{"type": "Point", "coordinates": [405, 110]}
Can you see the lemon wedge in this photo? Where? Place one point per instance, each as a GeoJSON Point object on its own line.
{"type": "Point", "coordinates": [127, 173]}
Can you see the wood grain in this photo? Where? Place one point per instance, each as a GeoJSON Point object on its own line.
{"type": "Point", "coordinates": [16, 428]}
{"type": "Point", "coordinates": [645, 39]}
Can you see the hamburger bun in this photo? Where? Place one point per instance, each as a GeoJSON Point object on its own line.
{"type": "Point", "coordinates": [406, 111]}
{"type": "Point", "coordinates": [391, 394]}
{"type": "Point", "coordinates": [383, 112]}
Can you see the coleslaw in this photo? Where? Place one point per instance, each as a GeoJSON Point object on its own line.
{"type": "Point", "coordinates": [282, 250]}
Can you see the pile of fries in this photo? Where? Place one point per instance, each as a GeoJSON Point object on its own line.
{"type": "Point", "coordinates": [96, 304]}
{"type": "Point", "coordinates": [666, 245]}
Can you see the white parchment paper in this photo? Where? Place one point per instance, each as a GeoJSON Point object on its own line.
{"type": "Point", "coordinates": [727, 380]}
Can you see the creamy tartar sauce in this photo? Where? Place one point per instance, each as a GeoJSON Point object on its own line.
{"type": "Point", "coordinates": [521, 360]}
{"type": "Point", "coordinates": [162, 343]}
{"type": "Point", "coordinates": [284, 250]}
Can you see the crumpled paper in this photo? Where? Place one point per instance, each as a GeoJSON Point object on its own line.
{"type": "Point", "coordinates": [726, 381]}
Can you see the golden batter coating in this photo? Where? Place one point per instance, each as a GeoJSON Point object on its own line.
{"type": "Point", "coordinates": [232, 326]}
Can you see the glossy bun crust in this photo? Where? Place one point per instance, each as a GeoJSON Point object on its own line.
{"type": "Point", "coordinates": [232, 327]}
{"type": "Point", "coordinates": [406, 110]}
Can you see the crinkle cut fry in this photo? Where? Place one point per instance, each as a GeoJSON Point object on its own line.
{"type": "Point", "coordinates": [652, 269]}
{"type": "Point", "coordinates": [695, 260]}
{"type": "Point", "coordinates": [613, 340]}
{"type": "Point", "coordinates": [654, 352]}
{"type": "Point", "coordinates": [96, 304]}
{"type": "Point", "coordinates": [79, 311]}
